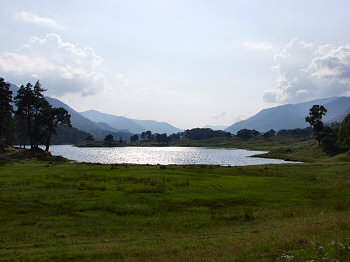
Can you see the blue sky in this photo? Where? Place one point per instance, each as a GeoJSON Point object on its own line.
{"type": "Point", "coordinates": [190, 63]}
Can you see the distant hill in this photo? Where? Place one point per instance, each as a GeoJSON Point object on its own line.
{"type": "Point", "coordinates": [291, 116]}
{"type": "Point", "coordinates": [98, 130]}
{"type": "Point", "coordinates": [158, 127]}
{"type": "Point", "coordinates": [117, 122]}
{"type": "Point", "coordinates": [78, 121]}
{"type": "Point", "coordinates": [133, 125]}
{"type": "Point", "coordinates": [67, 135]}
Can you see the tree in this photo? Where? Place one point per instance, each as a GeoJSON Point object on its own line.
{"type": "Point", "coordinates": [344, 133]}
{"type": "Point", "coordinates": [329, 139]}
{"type": "Point", "coordinates": [204, 133]}
{"type": "Point", "coordinates": [5, 110]}
{"type": "Point", "coordinates": [90, 138]}
{"type": "Point", "coordinates": [24, 113]}
{"type": "Point", "coordinates": [315, 120]}
{"type": "Point", "coordinates": [50, 118]}
{"type": "Point", "coordinates": [269, 133]}
{"type": "Point", "coordinates": [247, 133]}
{"type": "Point", "coordinates": [134, 138]}
{"type": "Point", "coordinates": [40, 108]}
{"type": "Point", "coordinates": [147, 135]}
{"type": "Point", "coordinates": [35, 118]}
{"type": "Point", "coordinates": [162, 138]}
{"type": "Point", "coordinates": [109, 139]}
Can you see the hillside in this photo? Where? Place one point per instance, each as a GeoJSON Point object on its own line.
{"type": "Point", "coordinates": [292, 115]}
{"type": "Point", "coordinates": [158, 127]}
{"type": "Point", "coordinates": [85, 124]}
{"type": "Point", "coordinates": [133, 125]}
{"type": "Point", "coordinates": [80, 123]}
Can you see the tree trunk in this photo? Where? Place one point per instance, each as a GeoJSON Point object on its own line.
{"type": "Point", "coordinates": [48, 139]}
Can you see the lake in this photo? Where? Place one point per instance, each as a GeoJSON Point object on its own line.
{"type": "Point", "coordinates": [163, 155]}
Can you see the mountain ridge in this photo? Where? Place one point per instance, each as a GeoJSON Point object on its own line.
{"type": "Point", "coordinates": [291, 116]}
{"type": "Point", "coordinates": [133, 125]}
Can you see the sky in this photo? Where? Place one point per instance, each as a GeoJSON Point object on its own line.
{"type": "Point", "coordinates": [190, 63]}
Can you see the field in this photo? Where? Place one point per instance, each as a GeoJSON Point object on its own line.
{"type": "Point", "coordinates": [69, 211]}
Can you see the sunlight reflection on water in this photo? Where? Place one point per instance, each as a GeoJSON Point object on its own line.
{"type": "Point", "coordinates": [162, 155]}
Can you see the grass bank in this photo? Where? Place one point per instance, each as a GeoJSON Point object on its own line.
{"type": "Point", "coordinates": [306, 151]}
{"type": "Point", "coordinates": [67, 211]}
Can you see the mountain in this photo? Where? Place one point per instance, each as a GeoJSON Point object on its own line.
{"type": "Point", "coordinates": [77, 120]}
{"type": "Point", "coordinates": [98, 130]}
{"type": "Point", "coordinates": [118, 122]}
{"type": "Point", "coordinates": [291, 116]}
{"type": "Point", "coordinates": [133, 125]}
{"type": "Point", "coordinates": [341, 117]}
{"type": "Point", "coordinates": [104, 126]}
{"type": "Point", "coordinates": [158, 127]}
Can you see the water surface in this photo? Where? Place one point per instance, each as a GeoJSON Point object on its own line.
{"type": "Point", "coordinates": [163, 155]}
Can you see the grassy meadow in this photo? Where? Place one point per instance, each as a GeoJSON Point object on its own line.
{"type": "Point", "coordinates": [69, 211]}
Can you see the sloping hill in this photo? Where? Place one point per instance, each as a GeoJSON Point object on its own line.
{"type": "Point", "coordinates": [98, 130]}
{"type": "Point", "coordinates": [291, 115]}
{"type": "Point", "coordinates": [117, 122]}
{"type": "Point", "coordinates": [133, 125]}
{"type": "Point", "coordinates": [77, 119]}
{"type": "Point", "coordinates": [85, 124]}
{"type": "Point", "coordinates": [158, 127]}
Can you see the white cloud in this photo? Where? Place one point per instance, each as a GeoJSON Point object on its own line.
{"type": "Point", "coordinates": [28, 17]}
{"type": "Point", "coordinates": [308, 71]}
{"type": "Point", "coordinates": [62, 67]}
{"type": "Point", "coordinates": [258, 46]}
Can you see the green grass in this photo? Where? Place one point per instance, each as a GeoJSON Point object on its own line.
{"type": "Point", "coordinates": [258, 143]}
{"type": "Point", "coordinates": [307, 151]}
{"type": "Point", "coordinates": [67, 211]}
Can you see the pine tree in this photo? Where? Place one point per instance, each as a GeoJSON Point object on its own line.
{"type": "Point", "coordinates": [5, 110]}
{"type": "Point", "coordinates": [24, 113]}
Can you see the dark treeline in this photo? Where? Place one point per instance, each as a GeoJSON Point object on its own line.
{"type": "Point", "coordinates": [207, 133]}
{"type": "Point", "coordinates": [32, 120]}
{"type": "Point", "coordinates": [190, 134]}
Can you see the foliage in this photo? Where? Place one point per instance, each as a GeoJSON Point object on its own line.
{"type": "Point", "coordinates": [344, 133]}
{"type": "Point", "coordinates": [314, 119]}
{"type": "Point", "coordinates": [147, 136]}
{"type": "Point", "coordinates": [35, 119]}
{"type": "Point", "coordinates": [329, 139]}
{"type": "Point", "coordinates": [204, 133]}
{"type": "Point", "coordinates": [90, 138]}
{"type": "Point", "coordinates": [269, 133]}
{"type": "Point", "coordinates": [50, 118]}
{"type": "Point", "coordinates": [297, 132]}
{"type": "Point", "coordinates": [161, 138]}
{"type": "Point", "coordinates": [247, 133]}
{"type": "Point", "coordinates": [5, 111]}
{"type": "Point", "coordinates": [109, 138]}
{"type": "Point", "coordinates": [134, 138]}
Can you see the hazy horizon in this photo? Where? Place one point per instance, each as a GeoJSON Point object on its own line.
{"type": "Point", "coordinates": [188, 63]}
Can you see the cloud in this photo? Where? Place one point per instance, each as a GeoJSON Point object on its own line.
{"type": "Point", "coordinates": [28, 17]}
{"type": "Point", "coordinates": [258, 46]}
{"type": "Point", "coordinates": [62, 67]}
{"type": "Point", "coordinates": [308, 71]}
{"type": "Point", "coordinates": [219, 115]}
